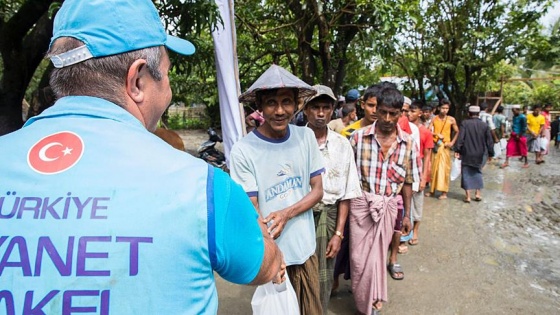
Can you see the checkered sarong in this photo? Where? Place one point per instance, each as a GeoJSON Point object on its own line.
{"type": "Point", "coordinates": [325, 225]}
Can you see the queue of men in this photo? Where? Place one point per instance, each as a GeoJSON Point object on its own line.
{"type": "Point", "coordinates": [373, 178]}
{"type": "Point", "coordinates": [149, 225]}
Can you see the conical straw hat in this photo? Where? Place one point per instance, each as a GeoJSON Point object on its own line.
{"type": "Point", "coordinates": [276, 77]}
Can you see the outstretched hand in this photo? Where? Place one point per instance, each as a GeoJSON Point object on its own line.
{"type": "Point", "coordinates": [281, 276]}
{"type": "Point", "coordinates": [276, 221]}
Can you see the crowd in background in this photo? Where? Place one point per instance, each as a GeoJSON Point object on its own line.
{"type": "Point", "coordinates": [433, 143]}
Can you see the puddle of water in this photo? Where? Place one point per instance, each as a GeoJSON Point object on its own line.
{"type": "Point", "coordinates": [536, 286]}
{"type": "Point", "coordinates": [521, 211]}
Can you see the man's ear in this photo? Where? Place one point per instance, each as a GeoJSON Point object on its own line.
{"type": "Point", "coordinates": [135, 80]}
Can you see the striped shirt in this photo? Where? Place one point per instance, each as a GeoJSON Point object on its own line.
{"type": "Point", "coordinates": [385, 175]}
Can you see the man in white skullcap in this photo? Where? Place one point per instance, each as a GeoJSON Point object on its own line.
{"type": "Point", "coordinates": [474, 144]}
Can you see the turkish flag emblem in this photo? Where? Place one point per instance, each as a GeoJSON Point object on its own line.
{"type": "Point", "coordinates": [55, 153]}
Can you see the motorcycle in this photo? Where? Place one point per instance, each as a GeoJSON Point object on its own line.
{"type": "Point", "coordinates": [208, 152]}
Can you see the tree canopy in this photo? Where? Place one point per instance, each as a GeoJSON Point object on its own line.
{"type": "Point", "coordinates": [26, 29]}
{"type": "Point", "coordinates": [320, 41]}
{"type": "Point", "coordinates": [452, 43]}
{"type": "Point", "coordinates": [461, 48]}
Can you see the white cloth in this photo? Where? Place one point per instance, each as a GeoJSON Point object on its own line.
{"type": "Point", "coordinates": [231, 113]}
{"type": "Point", "coordinates": [278, 172]}
{"type": "Point", "coordinates": [416, 137]}
{"type": "Point", "coordinates": [487, 118]}
{"type": "Point", "coordinates": [340, 181]}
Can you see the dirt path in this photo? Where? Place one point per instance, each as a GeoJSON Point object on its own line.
{"type": "Point", "coordinates": [498, 256]}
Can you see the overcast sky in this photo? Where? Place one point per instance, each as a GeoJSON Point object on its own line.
{"type": "Point", "coordinates": [552, 15]}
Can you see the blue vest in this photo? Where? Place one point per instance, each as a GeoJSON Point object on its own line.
{"type": "Point", "coordinates": [98, 215]}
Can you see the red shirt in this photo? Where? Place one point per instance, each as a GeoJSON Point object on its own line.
{"type": "Point", "coordinates": [426, 141]}
{"type": "Point", "coordinates": [403, 123]}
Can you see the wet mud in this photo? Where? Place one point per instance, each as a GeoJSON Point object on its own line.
{"type": "Point", "coordinates": [497, 256]}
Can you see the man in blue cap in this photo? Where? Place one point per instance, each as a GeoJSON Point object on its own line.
{"type": "Point", "coordinates": [98, 214]}
{"type": "Point", "coordinates": [352, 97]}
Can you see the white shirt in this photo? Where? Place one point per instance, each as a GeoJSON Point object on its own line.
{"type": "Point", "coordinates": [278, 173]}
{"type": "Point", "coordinates": [416, 137]}
{"type": "Point", "coordinates": [487, 118]}
{"type": "Point", "coordinates": [340, 181]}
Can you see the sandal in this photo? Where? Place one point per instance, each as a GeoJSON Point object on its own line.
{"type": "Point", "coordinates": [525, 166]}
{"type": "Point", "coordinates": [467, 200]}
{"type": "Point", "coordinates": [504, 165]}
{"type": "Point", "coordinates": [394, 269]}
{"type": "Point", "coordinates": [403, 249]}
{"type": "Point", "coordinates": [477, 198]}
{"type": "Point", "coordinates": [413, 242]}
{"type": "Point", "coordinates": [442, 197]}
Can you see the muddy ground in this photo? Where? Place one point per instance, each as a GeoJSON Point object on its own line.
{"type": "Point", "coordinates": [497, 256]}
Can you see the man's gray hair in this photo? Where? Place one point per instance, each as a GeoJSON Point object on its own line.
{"type": "Point", "coordinates": [99, 77]}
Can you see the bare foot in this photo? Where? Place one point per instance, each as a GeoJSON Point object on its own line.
{"type": "Point", "coordinates": [334, 285]}
{"type": "Point", "coordinates": [377, 305]}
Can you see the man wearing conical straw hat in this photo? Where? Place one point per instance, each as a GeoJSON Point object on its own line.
{"type": "Point", "coordinates": [279, 166]}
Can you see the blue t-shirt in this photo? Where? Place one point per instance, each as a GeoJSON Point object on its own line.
{"type": "Point", "coordinates": [99, 215]}
{"type": "Point", "coordinates": [278, 172]}
{"type": "Point", "coordinates": [519, 124]}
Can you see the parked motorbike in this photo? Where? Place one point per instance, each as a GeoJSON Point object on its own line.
{"type": "Point", "coordinates": [208, 152]}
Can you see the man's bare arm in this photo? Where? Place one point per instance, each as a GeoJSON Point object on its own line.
{"type": "Point", "coordinates": [278, 219]}
{"type": "Point", "coordinates": [333, 247]}
{"type": "Point", "coordinates": [407, 197]}
{"type": "Point", "coordinates": [271, 266]}
{"type": "Point", "coordinates": [456, 130]}
{"type": "Point", "coordinates": [425, 168]}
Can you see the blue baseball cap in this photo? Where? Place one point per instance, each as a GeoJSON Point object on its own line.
{"type": "Point", "coordinates": [110, 27]}
{"type": "Point", "coordinates": [352, 95]}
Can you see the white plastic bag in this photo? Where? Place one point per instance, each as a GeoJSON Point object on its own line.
{"type": "Point", "coordinates": [275, 299]}
{"type": "Point", "coordinates": [497, 150]}
{"type": "Point", "coordinates": [543, 143]}
{"type": "Point", "coordinates": [455, 169]}
{"type": "Point", "coordinates": [503, 143]}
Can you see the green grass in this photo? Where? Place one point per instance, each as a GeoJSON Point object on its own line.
{"type": "Point", "coordinates": [178, 121]}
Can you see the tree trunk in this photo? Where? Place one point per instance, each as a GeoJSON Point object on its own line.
{"type": "Point", "coordinates": [24, 39]}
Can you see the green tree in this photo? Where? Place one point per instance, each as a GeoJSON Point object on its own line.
{"type": "Point", "coordinates": [451, 42]}
{"type": "Point", "coordinates": [26, 29]}
{"type": "Point", "coordinates": [541, 61]}
{"type": "Point", "coordinates": [544, 50]}
{"type": "Point", "coordinates": [317, 40]}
